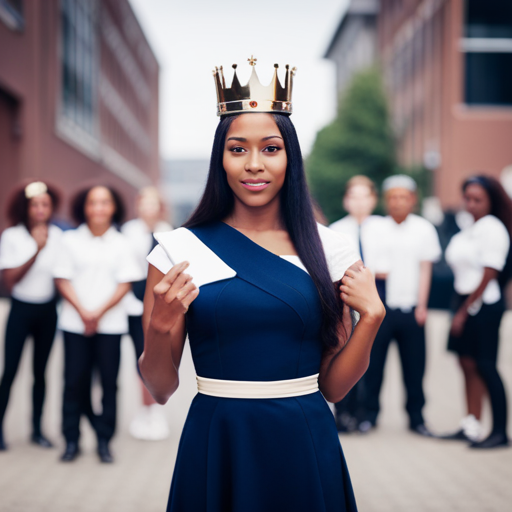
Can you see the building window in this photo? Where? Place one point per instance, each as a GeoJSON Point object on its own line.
{"type": "Point", "coordinates": [11, 13]}
{"type": "Point", "coordinates": [487, 48]}
{"type": "Point", "coordinates": [488, 78]}
{"type": "Point", "coordinates": [79, 60]}
{"type": "Point", "coordinates": [488, 19]}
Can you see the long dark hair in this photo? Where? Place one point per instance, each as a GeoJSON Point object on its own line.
{"type": "Point", "coordinates": [296, 211]}
{"type": "Point", "coordinates": [501, 207]}
{"type": "Point", "coordinates": [18, 203]}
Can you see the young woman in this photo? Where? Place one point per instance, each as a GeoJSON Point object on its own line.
{"type": "Point", "coordinates": [93, 272]}
{"type": "Point", "coordinates": [477, 255]}
{"type": "Point", "coordinates": [149, 423]}
{"type": "Point", "coordinates": [27, 252]}
{"type": "Point", "coordinates": [259, 434]}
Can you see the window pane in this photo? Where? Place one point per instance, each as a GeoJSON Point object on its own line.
{"type": "Point", "coordinates": [489, 78]}
{"type": "Point", "coordinates": [491, 18]}
{"type": "Point", "coordinates": [79, 62]}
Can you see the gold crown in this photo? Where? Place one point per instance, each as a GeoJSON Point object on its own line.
{"type": "Point", "coordinates": [254, 97]}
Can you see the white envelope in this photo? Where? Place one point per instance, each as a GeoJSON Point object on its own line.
{"type": "Point", "coordinates": [205, 266]}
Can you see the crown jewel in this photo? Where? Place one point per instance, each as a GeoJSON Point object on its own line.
{"type": "Point", "coordinates": [254, 97]}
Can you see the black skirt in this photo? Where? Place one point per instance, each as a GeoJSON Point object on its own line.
{"type": "Point", "coordinates": [479, 338]}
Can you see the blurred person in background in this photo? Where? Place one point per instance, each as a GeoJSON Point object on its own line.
{"type": "Point", "coordinates": [412, 245]}
{"type": "Point", "coordinates": [27, 252]}
{"type": "Point", "coordinates": [150, 423]}
{"type": "Point", "coordinates": [362, 227]}
{"type": "Point", "coordinates": [93, 272]}
{"type": "Point", "coordinates": [477, 256]}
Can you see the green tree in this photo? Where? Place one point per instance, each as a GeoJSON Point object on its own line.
{"type": "Point", "coordinates": [359, 141]}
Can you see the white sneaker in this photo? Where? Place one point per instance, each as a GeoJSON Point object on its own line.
{"type": "Point", "coordinates": [149, 424]}
{"type": "Point", "coordinates": [158, 427]}
{"type": "Point", "coordinates": [471, 427]}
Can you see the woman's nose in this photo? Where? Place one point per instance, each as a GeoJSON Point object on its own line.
{"type": "Point", "coordinates": [255, 163]}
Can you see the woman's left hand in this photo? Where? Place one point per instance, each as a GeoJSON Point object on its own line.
{"type": "Point", "coordinates": [359, 292]}
{"type": "Point", "coordinates": [458, 322]}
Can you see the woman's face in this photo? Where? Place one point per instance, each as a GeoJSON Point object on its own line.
{"type": "Point", "coordinates": [40, 209]}
{"type": "Point", "coordinates": [476, 201]}
{"type": "Point", "coordinates": [360, 201]}
{"type": "Point", "coordinates": [99, 206]}
{"type": "Point", "coordinates": [255, 159]}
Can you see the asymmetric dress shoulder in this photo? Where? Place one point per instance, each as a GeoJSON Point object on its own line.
{"type": "Point", "coordinates": [258, 455]}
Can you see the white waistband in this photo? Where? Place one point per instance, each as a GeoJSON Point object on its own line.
{"type": "Point", "coordinates": [258, 389]}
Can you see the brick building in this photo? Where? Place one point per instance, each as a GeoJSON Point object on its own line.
{"type": "Point", "coordinates": [448, 71]}
{"type": "Point", "coordinates": [448, 67]}
{"type": "Point", "coordinates": [78, 96]}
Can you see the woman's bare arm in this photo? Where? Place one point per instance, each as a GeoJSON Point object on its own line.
{"type": "Point", "coordinates": [121, 290]}
{"type": "Point", "coordinates": [345, 364]}
{"type": "Point", "coordinates": [15, 275]}
{"type": "Point", "coordinates": [166, 301]}
{"type": "Point", "coordinates": [460, 318]}
{"type": "Point", "coordinates": [67, 291]}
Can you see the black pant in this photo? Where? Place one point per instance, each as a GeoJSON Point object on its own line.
{"type": "Point", "coordinates": [410, 337]}
{"type": "Point", "coordinates": [353, 402]}
{"type": "Point", "coordinates": [480, 341]}
{"type": "Point", "coordinates": [39, 321]}
{"type": "Point", "coordinates": [82, 355]}
{"type": "Point", "coordinates": [136, 333]}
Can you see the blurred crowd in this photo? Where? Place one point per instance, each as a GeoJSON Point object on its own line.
{"type": "Point", "coordinates": [97, 271]}
{"type": "Point", "coordinates": [401, 249]}
{"type": "Point", "coordinates": [89, 282]}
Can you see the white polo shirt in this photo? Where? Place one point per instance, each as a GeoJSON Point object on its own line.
{"type": "Point", "coordinates": [16, 247]}
{"type": "Point", "coordinates": [141, 241]}
{"type": "Point", "coordinates": [95, 265]}
{"type": "Point", "coordinates": [484, 244]}
{"type": "Point", "coordinates": [372, 244]}
{"type": "Point", "coordinates": [408, 244]}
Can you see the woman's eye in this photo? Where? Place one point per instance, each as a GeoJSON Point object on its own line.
{"type": "Point", "coordinates": [237, 149]}
{"type": "Point", "coordinates": [272, 149]}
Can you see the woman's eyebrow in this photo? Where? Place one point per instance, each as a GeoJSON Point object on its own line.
{"type": "Point", "coordinates": [243, 139]}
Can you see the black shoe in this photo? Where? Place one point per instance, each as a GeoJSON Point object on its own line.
{"type": "Point", "coordinates": [71, 452]}
{"type": "Point", "coordinates": [493, 441]}
{"type": "Point", "coordinates": [456, 436]}
{"type": "Point", "coordinates": [104, 452]}
{"type": "Point", "coordinates": [422, 430]}
{"type": "Point", "coordinates": [41, 441]}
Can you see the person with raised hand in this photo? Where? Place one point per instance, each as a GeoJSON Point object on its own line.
{"type": "Point", "coordinates": [27, 251]}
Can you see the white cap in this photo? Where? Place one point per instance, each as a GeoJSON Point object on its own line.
{"type": "Point", "coordinates": [399, 181]}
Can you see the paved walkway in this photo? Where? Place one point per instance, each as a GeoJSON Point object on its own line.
{"type": "Point", "coordinates": [392, 470]}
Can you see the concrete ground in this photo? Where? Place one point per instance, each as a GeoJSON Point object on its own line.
{"type": "Point", "coordinates": [392, 470]}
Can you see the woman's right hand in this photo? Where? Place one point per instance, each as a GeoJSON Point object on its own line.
{"type": "Point", "coordinates": [173, 296]}
{"type": "Point", "coordinates": [40, 234]}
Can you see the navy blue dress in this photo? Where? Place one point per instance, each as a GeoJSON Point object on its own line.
{"type": "Point", "coordinates": [257, 455]}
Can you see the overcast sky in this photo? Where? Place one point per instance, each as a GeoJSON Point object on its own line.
{"type": "Point", "coordinates": [191, 37]}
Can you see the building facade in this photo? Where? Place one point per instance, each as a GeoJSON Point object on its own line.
{"type": "Point", "coordinates": [183, 184]}
{"type": "Point", "coordinates": [448, 70]}
{"type": "Point", "coordinates": [354, 44]}
{"type": "Point", "coordinates": [78, 97]}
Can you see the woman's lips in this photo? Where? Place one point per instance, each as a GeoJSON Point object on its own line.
{"type": "Point", "coordinates": [255, 185]}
